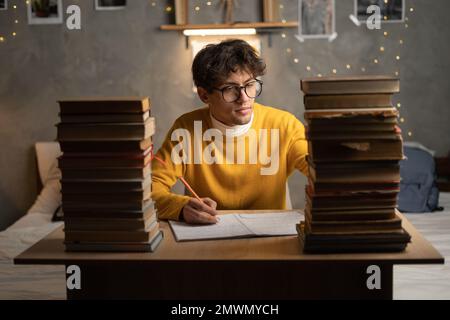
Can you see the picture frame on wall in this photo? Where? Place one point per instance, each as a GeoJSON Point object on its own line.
{"type": "Point", "coordinates": [110, 4]}
{"type": "Point", "coordinates": [3, 5]}
{"type": "Point", "coordinates": [45, 11]}
{"type": "Point", "coordinates": [316, 20]}
{"type": "Point", "coordinates": [392, 11]}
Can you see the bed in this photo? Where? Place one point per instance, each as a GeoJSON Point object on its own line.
{"type": "Point", "coordinates": [48, 282]}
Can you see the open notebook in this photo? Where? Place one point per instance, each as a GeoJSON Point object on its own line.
{"type": "Point", "coordinates": [239, 225]}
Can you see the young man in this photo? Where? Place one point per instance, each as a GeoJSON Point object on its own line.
{"type": "Point", "coordinates": [234, 153]}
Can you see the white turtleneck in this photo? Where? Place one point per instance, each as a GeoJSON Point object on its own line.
{"type": "Point", "coordinates": [231, 131]}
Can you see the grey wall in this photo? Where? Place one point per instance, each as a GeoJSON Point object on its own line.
{"type": "Point", "coordinates": [124, 53]}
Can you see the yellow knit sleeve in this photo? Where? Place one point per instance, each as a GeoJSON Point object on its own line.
{"type": "Point", "coordinates": [168, 204]}
{"type": "Point", "coordinates": [297, 147]}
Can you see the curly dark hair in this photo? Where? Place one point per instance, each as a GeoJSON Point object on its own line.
{"type": "Point", "coordinates": [214, 63]}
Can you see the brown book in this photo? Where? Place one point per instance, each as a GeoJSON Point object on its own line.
{"type": "Point", "coordinates": [104, 105]}
{"type": "Point", "coordinates": [350, 214]}
{"type": "Point", "coordinates": [114, 146]}
{"type": "Point", "coordinates": [110, 213]}
{"type": "Point", "coordinates": [103, 205]}
{"type": "Point", "coordinates": [356, 150]}
{"type": "Point", "coordinates": [355, 226]}
{"type": "Point", "coordinates": [128, 196]}
{"type": "Point", "coordinates": [347, 101]}
{"type": "Point", "coordinates": [96, 186]}
{"type": "Point", "coordinates": [108, 224]}
{"type": "Point", "coordinates": [350, 85]}
{"type": "Point", "coordinates": [354, 172]}
{"type": "Point", "coordinates": [376, 244]}
{"type": "Point", "coordinates": [105, 131]}
{"type": "Point", "coordinates": [354, 128]}
{"type": "Point", "coordinates": [344, 187]}
{"type": "Point", "coordinates": [106, 173]}
{"type": "Point", "coordinates": [149, 246]}
{"type": "Point", "coordinates": [105, 118]}
{"type": "Point", "coordinates": [350, 114]}
{"type": "Point", "coordinates": [348, 122]}
{"type": "Point", "coordinates": [353, 135]}
{"type": "Point", "coordinates": [112, 236]}
{"type": "Point", "coordinates": [104, 160]}
{"type": "Point", "coordinates": [358, 201]}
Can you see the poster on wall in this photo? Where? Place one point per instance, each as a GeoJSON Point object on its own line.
{"type": "Point", "coordinates": [44, 11]}
{"type": "Point", "coordinates": [3, 5]}
{"type": "Point", "coordinates": [392, 11]}
{"type": "Point", "coordinates": [110, 4]}
{"type": "Point", "coordinates": [316, 20]}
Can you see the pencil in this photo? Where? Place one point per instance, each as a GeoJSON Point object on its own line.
{"type": "Point", "coordinates": [182, 180]}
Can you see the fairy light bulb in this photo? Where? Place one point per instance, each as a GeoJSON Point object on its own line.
{"type": "Point", "coordinates": [308, 68]}
{"type": "Point", "coordinates": [296, 60]}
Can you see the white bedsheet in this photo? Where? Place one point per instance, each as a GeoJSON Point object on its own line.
{"type": "Point", "coordinates": [29, 282]}
{"type": "Point", "coordinates": [48, 282]}
{"type": "Point", "coordinates": [428, 281]}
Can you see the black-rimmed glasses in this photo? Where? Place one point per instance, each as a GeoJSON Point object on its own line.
{"type": "Point", "coordinates": [232, 93]}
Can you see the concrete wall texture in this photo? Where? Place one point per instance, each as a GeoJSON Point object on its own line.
{"type": "Point", "coordinates": [124, 53]}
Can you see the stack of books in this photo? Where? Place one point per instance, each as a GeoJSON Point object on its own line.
{"type": "Point", "coordinates": [354, 149]}
{"type": "Point", "coordinates": [106, 174]}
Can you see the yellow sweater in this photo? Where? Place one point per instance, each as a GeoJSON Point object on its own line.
{"type": "Point", "coordinates": [233, 182]}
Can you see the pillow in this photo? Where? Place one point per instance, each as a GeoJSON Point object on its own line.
{"type": "Point", "coordinates": [47, 154]}
{"type": "Point", "coordinates": [49, 199]}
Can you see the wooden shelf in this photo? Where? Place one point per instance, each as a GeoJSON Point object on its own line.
{"type": "Point", "coordinates": [256, 25]}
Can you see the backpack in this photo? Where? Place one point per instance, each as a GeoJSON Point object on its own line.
{"type": "Point", "coordinates": [418, 189]}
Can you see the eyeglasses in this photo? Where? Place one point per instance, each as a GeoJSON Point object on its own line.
{"type": "Point", "coordinates": [232, 93]}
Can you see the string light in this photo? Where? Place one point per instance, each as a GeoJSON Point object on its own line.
{"type": "Point", "coordinates": [2, 39]}
{"type": "Point", "coordinates": [296, 60]}
{"type": "Point", "coordinates": [168, 9]}
{"type": "Point", "coordinates": [402, 120]}
{"type": "Point", "coordinates": [16, 21]}
{"type": "Point", "coordinates": [14, 6]}
{"type": "Point", "coordinates": [409, 133]}
{"type": "Point", "coordinates": [411, 9]}
{"type": "Point", "coordinates": [406, 25]}
{"type": "Point", "coordinates": [399, 105]}
{"type": "Point", "coordinates": [208, 3]}
{"type": "Point", "coordinates": [396, 73]}
{"type": "Point", "coordinates": [334, 71]}
{"type": "Point", "coordinates": [348, 66]}
{"type": "Point", "coordinates": [385, 33]}
{"type": "Point", "coordinates": [400, 41]}
{"type": "Point", "coordinates": [363, 69]}
{"type": "Point", "coordinates": [283, 21]}
{"type": "Point", "coordinates": [397, 57]}
{"type": "Point", "coordinates": [308, 68]}
{"type": "Point", "coordinates": [283, 35]}
{"type": "Point", "coordinates": [14, 34]}
{"type": "Point", "coordinates": [153, 4]}
{"type": "Point", "coordinates": [197, 8]}
{"type": "Point", "coordinates": [281, 6]}
{"type": "Point", "coordinates": [382, 49]}
{"type": "Point", "coordinates": [319, 75]}
{"type": "Point", "coordinates": [288, 50]}
{"type": "Point", "coordinates": [375, 60]}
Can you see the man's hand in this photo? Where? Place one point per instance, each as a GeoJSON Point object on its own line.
{"type": "Point", "coordinates": [198, 212]}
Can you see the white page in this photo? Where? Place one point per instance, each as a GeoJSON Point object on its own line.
{"type": "Point", "coordinates": [240, 225]}
{"type": "Point", "coordinates": [272, 223]}
{"type": "Point", "coordinates": [227, 227]}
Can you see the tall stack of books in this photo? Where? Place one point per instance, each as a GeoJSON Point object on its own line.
{"type": "Point", "coordinates": [106, 174]}
{"type": "Point", "coordinates": [354, 149]}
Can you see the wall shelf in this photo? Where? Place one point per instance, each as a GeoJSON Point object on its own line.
{"type": "Point", "coordinates": [259, 26]}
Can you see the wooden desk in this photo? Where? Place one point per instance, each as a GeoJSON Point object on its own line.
{"type": "Point", "coordinates": [253, 268]}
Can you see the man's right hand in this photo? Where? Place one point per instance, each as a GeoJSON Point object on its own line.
{"type": "Point", "coordinates": [200, 212]}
